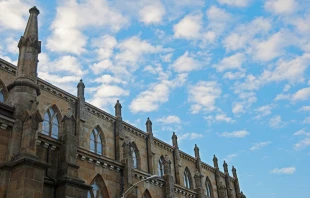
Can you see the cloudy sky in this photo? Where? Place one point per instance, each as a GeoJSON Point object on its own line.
{"type": "Point", "coordinates": [229, 75]}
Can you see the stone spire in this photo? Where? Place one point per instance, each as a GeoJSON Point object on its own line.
{"type": "Point", "coordinates": [118, 132]}
{"type": "Point", "coordinates": [29, 48]}
{"type": "Point", "coordinates": [234, 171]}
{"type": "Point", "coordinates": [150, 147]}
{"type": "Point", "coordinates": [196, 150]}
{"type": "Point", "coordinates": [225, 167]}
{"type": "Point", "coordinates": [81, 87]}
{"type": "Point", "coordinates": [215, 162]}
{"type": "Point", "coordinates": [148, 125]}
{"type": "Point", "coordinates": [118, 109]}
{"type": "Point", "coordinates": [176, 158]}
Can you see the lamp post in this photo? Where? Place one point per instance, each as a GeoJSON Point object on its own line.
{"type": "Point", "coordinates": [151, 177]}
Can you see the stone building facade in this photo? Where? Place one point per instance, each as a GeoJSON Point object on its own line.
{"type": "Point", "coordinates": [54, 144]}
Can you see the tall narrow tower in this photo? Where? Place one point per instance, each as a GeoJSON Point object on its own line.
{"type": "Point", "coordinates": [23, 92]}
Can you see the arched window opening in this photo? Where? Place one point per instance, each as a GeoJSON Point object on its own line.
{"type": "Point", "coordinates": [50, 124]}
{"type": "Point", "coordinates": [95, 143]}
{"type": "Point", "coordinates": [160, 167]}
{"type": "Point", "coordinates": [208, 188]}
{"type": "Point", "coordinates": [134, 157]}
{"type": "Point", "coordinates": [187, 179]}
{"type": "Point", "coordinates": [146, 194]}
{"type": "Point", "coordinates": [99, 189]}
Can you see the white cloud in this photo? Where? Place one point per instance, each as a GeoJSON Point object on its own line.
{"type": "Point", "coordinates": [70, 21]}
{"type": "Point", "coordinates": [230, 157]}
{"type": "Point", "coordinates": [190, 136]}
{"type": "Point", "coordinates": [156, 94]}
{"type": "Point", "coordinates": [238, 108]}
{"type": "Point", "coordinates": [306, 120]}
{"type": "Point", "coordinates": [271, 48]}
{"type": "Point", "coordinates": [302, 94]}
{"type": "Point", "coordinates": [189, 27]}
{"type": "Point", "coordinates": [14, 14]}
{"type": "Point", "coordinates": [203, 96]}
{"type": "Point", "coordinates": [169, 120]}
{"type": "Point", "coordinates": [286, 170]}
{"type": "Point", "coordinates": [263, 111]}
{"type": "Point", "coordinates": [185, 63]}
{"type": "Point", "coordinates": [302, 144]}
{"type": "Point", "coordinates": [305, 108]}
{"type": "Point", "coordinates": [244, 34]}
{"type": "Point", "coordinates": [219, 118]}
{"type": "Point", "coordinates": [218, 20]}
{"type": "Point", "coordinates": [234, 134]}
{"type": "Point", "coordinates": [302, 132]}
{"type": "Point", "coordinates": [152, 13]}
{"type": "Point", "coordinates": [291, 71]}
{"type": "Point", "coordinates": [260, 145]}
{"type": "Point", "coordinates": [276, 122]}
{"type": "Point", "coordinates": [281, 6]}
{"type": "Point", "coordinates": [232, 62]}
{"type": "Point", "coordinates": [236, 3]}
{"type": "Point", "coordinates": [234, 75]}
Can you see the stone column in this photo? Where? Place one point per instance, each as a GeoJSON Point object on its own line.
{"type": "Point", "coordinates": [80, 113]}
{"type": "Point", "coordinates": [68, 183]}
{"type": "Point", "coordinates": [150, 147]}
{"type": "Point", "coordinates": [118, 128]}
{"type": "Point", "coordinates": [26, 172]}
{"type": "Point", "coordinates": [227, 182]}
{"type": "Point", "coordinates": [24, 90]}
{"type": "Point", "coordinates": [169, 185]}
{"type": "Point", "coordinates": [176, 158]}
{"type": "Point", "coordinates": [198, 175]}
{"type": "Point", "coordinates": [219, 185]}
{"type": "Point", "coordinates": [236, 182]}
{"type": "Point", "coordinates": [128, 172]}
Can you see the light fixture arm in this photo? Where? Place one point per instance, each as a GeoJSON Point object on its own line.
{"type": "Point", "coordinates": [151, 177]}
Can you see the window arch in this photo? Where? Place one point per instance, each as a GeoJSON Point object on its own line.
{"type": "Point", "coordinates": [50, 125]}
{"type": "Point", "coordinates": [135, 155]}
{"type": "Point", "coordinates": [146, 194]}
{"type": "Point", "coordinates": [99, 189]}
{"type": "Point", "coordinates": [187, 179]}
{"type": "Point", "coordinates": [95, 143]}
{"type": "Point", "coordinates": [209, 191]}
{"type": "Point", "coordinates": [3, 92]}
{"type": "Point", "coordinates": [160, 166]}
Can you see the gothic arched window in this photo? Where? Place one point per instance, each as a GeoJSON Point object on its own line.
{"type": "Point", "coordinates": [187, 179]}
{"type": "Point", "coordinates": [160, 167]}
{"type": "Point", "coordinates": [99, 189]}
{"type": "Point", "coordinates": [134, 157]}
{"type": "Point", "coordinates": [208, 188]}
{"type": "Point", "coordinates": [3, 91]}
{"type": "Point", "coordinates": [95, 142]}
{"type": "Point", "coordinates": [50, 124]}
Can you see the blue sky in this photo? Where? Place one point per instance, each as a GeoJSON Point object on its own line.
{"type": "Point", "coordinates": [231, 76]}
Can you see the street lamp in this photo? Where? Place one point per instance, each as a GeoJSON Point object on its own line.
{"type": "Point", "coordinates": [151, 177]}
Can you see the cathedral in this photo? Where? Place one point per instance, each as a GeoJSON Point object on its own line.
{"type": "Point", "coordinates": [55, 144]}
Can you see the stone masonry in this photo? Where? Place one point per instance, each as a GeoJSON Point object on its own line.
{"type": "Point", "coordinates": [54, 144]}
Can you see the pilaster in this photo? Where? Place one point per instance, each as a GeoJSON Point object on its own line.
{"type": "Point", "coordinates": [198, 174]}
{"type": "Point", "coordinates": [169, 185]}
{"type": "Point", "coordinates": [80, 113]}
{"type": "Point", "coordinates": [150, 147]}
{"type": "Point", "coordinates": [176, 158]}
{"type": "Point", "coordinates": [227, 182]}
{"type": "Point", "coordinates": [118, 129]}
